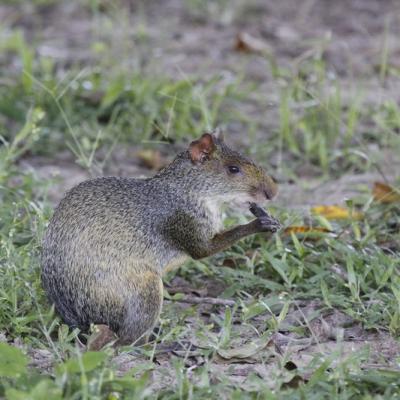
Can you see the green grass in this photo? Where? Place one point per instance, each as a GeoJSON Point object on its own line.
{"type": "Point", "coordinates": [355, 270]}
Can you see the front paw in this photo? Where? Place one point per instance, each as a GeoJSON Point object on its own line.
{"type": "Point", "coordinates": [267, 223]}
{"type": "Point", "coordinates": [264, 222]}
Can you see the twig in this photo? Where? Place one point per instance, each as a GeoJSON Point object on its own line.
{"type": "Point", "coordinates": [205, 300]}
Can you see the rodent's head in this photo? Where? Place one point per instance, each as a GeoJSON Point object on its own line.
{"type": "Point", "coordinates": [229, 173]}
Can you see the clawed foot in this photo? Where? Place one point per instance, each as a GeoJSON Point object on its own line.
{"type": "Point", "coordinates": [269, 224]}
{"type": "Point", "coordinates": [266, 222]}
{"type": "Point", "coordinates": [101, 336]}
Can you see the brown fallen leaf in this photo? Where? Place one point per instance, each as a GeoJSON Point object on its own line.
{"type": "Point", "coordinates": [151, 159]}
{"type": "Point", "coordinates": [336, 212]}
{"type": "Point", "coordinates": [305, 229]}
{"type": "Point", "coordinates": [385, 193]}
{"type": "Point", "coordinates": [229, 262]}
{"type": "Point", "coordinates": [250, 44]}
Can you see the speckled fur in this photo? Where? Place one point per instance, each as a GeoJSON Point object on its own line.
{"type": "Point", "coordinates": [111, 239]}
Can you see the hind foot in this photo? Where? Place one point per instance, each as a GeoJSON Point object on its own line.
{"type": "Point", "coordinates": [100, 337]}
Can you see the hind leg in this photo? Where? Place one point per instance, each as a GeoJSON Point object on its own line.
{"type": "Point", "coordinates": [142, 309]}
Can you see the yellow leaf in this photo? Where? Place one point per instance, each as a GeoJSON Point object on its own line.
{"type": "Point", "coordinates": [305, 229]}
{"type": "Point", "coordinates": [385, 193]}
{"type": "Point", "coordinates": [336, 212]}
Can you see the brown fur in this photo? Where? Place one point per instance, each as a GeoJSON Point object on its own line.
{"type": "Point", "coordinates": [111, 239]}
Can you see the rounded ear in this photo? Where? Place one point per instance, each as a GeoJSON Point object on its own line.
{"type": "Point", "coordinates": [201, 149]}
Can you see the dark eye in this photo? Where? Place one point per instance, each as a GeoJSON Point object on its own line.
{"type": "Point", "coordinates": [233, 169]}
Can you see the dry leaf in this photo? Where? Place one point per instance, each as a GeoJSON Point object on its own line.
{"type": "Point", "coordinates": [229, 262]}
{"type": "Point", "coordinates": [385, 193]}
{"type": "Point", "coordinates": [305, 229]}
{"type": "Point", "coordinates": [151, 159]}
{"type": "Point", "coordinates": [336, 212]}
{"type": "Point", "coordinates": [246, 352]}
{"type": "Point", "coordinates": [294, 382]}
{"type": "Point", "coordinates": [250, 44]}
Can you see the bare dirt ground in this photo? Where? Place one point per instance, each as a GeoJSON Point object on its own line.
{"type": "Point", "coordinates": [181, 44]}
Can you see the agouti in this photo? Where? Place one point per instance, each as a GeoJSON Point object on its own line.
{"type": "Point", "coordinates": [111, 239]}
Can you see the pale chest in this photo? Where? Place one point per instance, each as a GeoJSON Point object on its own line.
{"type": "Point", "coordinates": [213, 210]}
